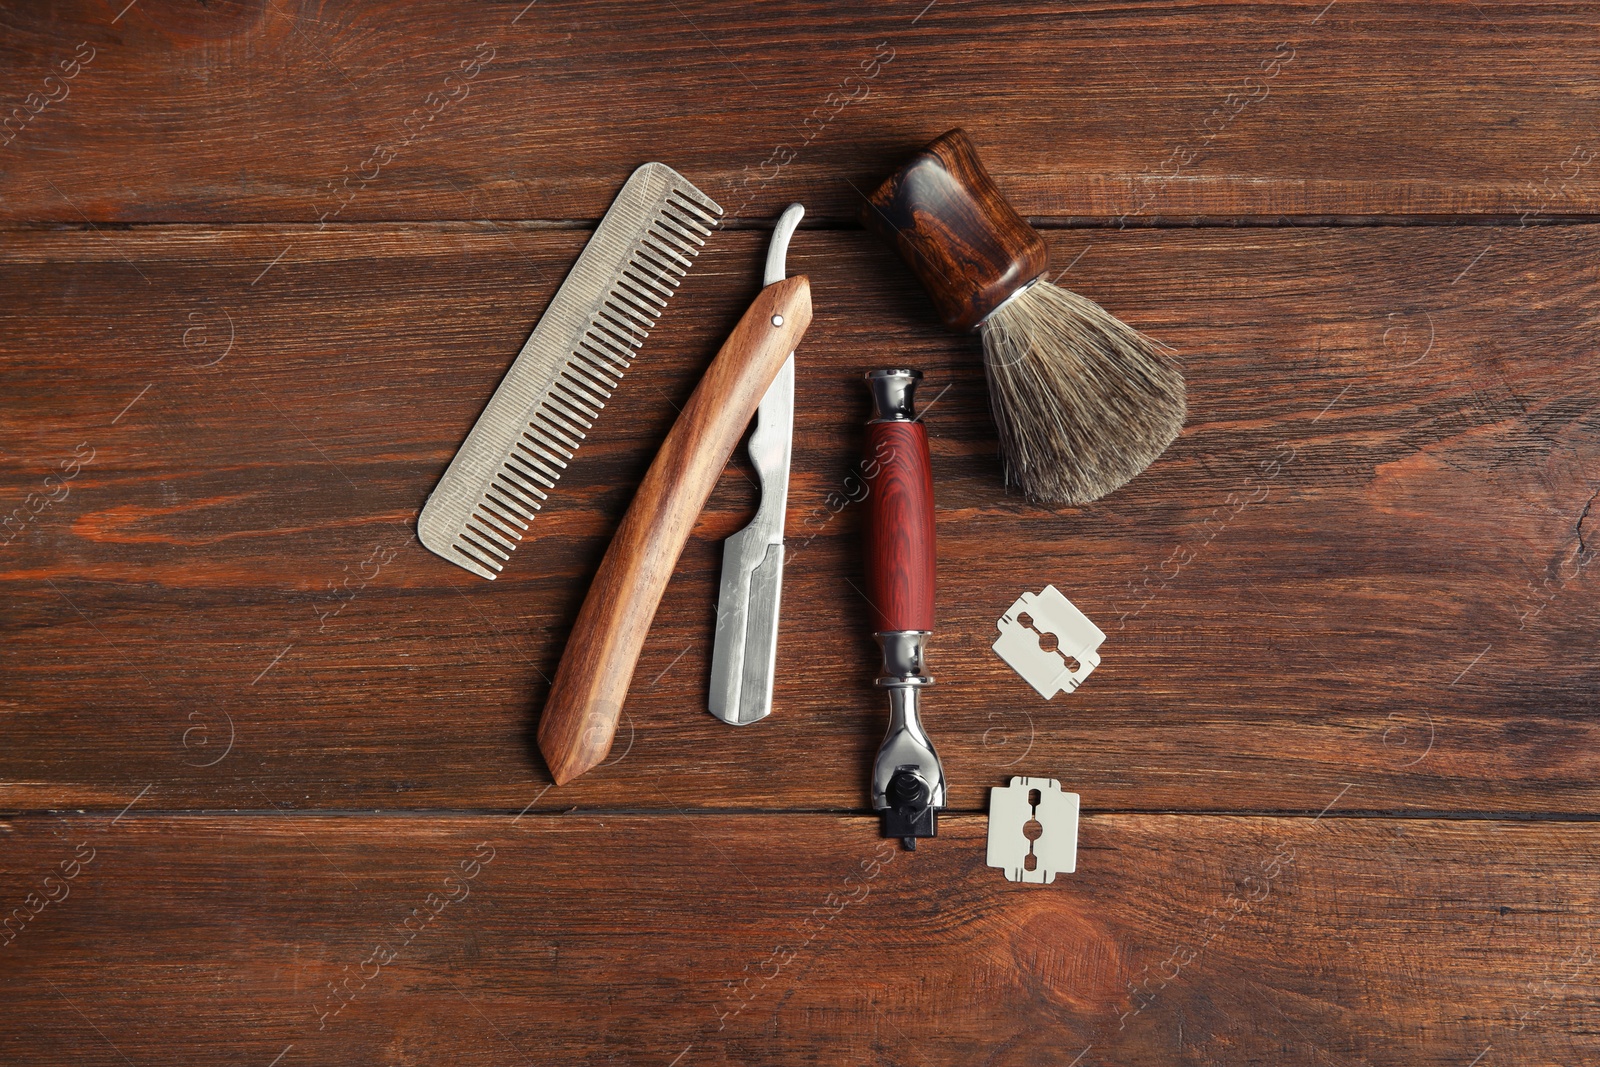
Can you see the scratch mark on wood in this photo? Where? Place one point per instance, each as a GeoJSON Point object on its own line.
{"type": "Point", "coordinates": [131, 803]}
{"type": "Point", "coordinates": [1474, 662]}
{"type": "Point", "coordinates": [132, 402]}
{"type": "Point", "coordinates": [273, 664]}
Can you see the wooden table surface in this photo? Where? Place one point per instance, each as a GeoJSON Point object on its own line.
{"type": "Point", "coordinates": [267, 769]}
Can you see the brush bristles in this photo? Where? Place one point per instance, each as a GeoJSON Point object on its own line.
{"type": "Point", "coordinates": [1083, 401]}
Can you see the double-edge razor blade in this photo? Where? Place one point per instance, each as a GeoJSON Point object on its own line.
{"type": "Point", "coordinates": [1051, 851]}
{"type": "Point", "coordinates": [591, 333]}
{"type": "Point", "coordinates": [1063, 665]}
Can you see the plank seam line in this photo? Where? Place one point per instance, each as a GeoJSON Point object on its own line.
{"type": "Point", "coordinates": [1419, 815]}
{"type": "Point", "coordinates": [828, 224]}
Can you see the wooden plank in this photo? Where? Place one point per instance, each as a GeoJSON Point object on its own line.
{"type": "Point", "coordinates": [1364, 562]}
{"type": "Point", "coordinates": [797, 939]}
{"type": "Point", "coordinates": [303, 110]}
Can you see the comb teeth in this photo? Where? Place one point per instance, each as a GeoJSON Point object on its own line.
{"type": "Point", "coordinates": [555, 390]}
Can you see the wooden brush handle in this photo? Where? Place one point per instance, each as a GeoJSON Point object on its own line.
{"type": "Point", "coordinates": [968, 247]}
{"type": "Point", "coordinates": [580, 714]}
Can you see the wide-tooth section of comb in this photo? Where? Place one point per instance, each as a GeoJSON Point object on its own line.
{"type": "Point", "coordinates": [550, 398]}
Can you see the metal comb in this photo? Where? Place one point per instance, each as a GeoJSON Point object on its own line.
{"type": "Point", "coordinates": [591, 333]}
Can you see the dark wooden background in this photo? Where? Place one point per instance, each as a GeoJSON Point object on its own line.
{"type": "Point", "coordinates": [1338, 764]}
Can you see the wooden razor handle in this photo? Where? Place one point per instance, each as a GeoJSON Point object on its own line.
{"type": "Point", "coordinates": [580, 714]}
{"type": "Point", "coordinates": [898, 530]}
{"type": "Point", "coordinates": [965, 243]}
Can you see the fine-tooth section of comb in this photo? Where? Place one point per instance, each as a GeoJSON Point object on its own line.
{"type": "Point", "coordinates": [550, 398]}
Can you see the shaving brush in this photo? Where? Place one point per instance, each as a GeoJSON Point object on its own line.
{"type": "Point", "coordinates": [1082, 401]}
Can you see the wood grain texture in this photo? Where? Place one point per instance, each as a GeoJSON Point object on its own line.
{"type": "Point", "coordinates": [898, 537]}
{"type": "Point", "coordinates": [591, 685]}
{"type": "Point", "coordinates": [967, 246]}
{"type": "Point", "coordinates": [799, 939]}
{"type": "Point", "coordinates": [300, 110]}
{"type": "Point", "coordinates": [277, 762]}
{"type": "Point", "coordinates": [1365, 561]}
